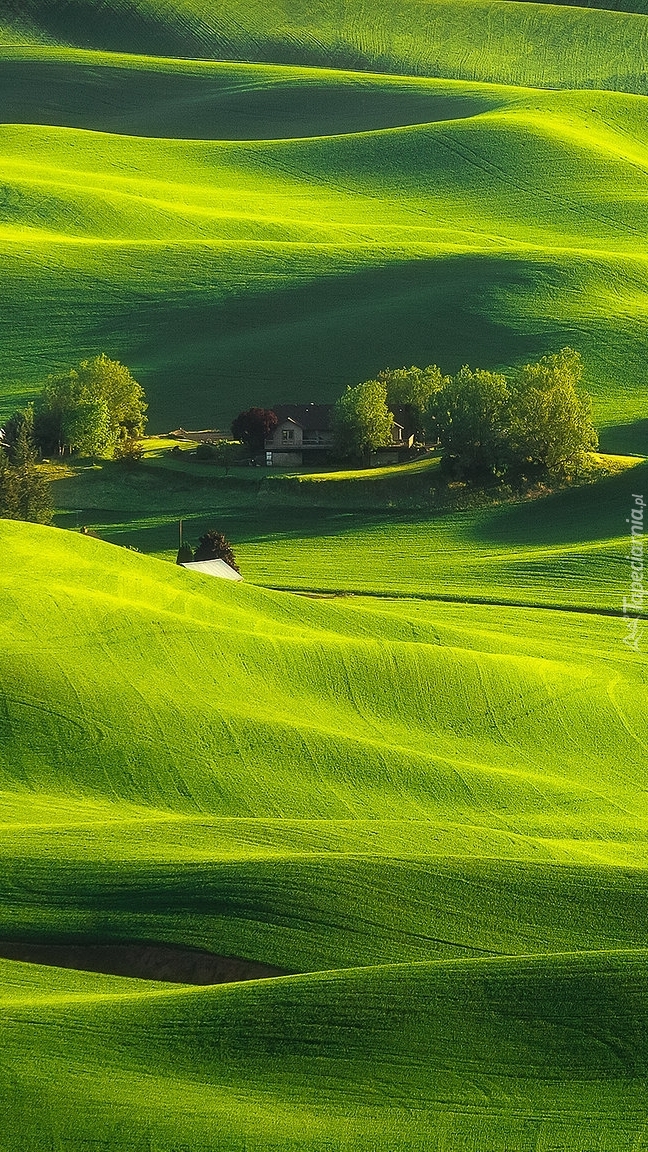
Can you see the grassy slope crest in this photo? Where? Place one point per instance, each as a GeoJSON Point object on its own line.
{"type": "Point", "coordinates": [520, 43]}
{"type": "Point", "coordinates": [281, 236]}
{"type": "Point", "coordinates": [402, 793]}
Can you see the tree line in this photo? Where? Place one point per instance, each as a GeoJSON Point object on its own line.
{"type": "Point", "coordinates": [25, 494]}
{"type": "Point", "coordinates": [530, 423]}
{"type": "Point", "coordinates": [95, 409]}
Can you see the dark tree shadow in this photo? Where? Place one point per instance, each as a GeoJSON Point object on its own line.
{"type": "Point", "coordinates": [308, 341]}
{"type": "Point", "coordinates": [625, 439]}
{"type": "Point", "coordinates": [575, 515]}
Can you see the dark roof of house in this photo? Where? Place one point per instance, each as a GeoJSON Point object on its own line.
{"type": "Point", "coordinates": [314, 417]}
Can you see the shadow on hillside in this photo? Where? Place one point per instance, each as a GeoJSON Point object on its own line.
{"type": "Point", "coordinates": [224, 106]}
{"type": "Point", "coordinates": [114, 27]}
{"type": "Point", "coordinates": [575, 515]}
{"type": "Point", "coordinates": [144, 961]}
{"type": "Point", "coordinates": [161, 31]}
{"type": "Point", "coordinates": [308, 341]}
{"type": "Point", "coordinates": [625, 439]}
{"type": "Point", "coordinates": [240, 525]}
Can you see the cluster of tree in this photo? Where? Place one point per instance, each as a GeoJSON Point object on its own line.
{"type": "Point", "coordinates": [212, 546]}
{"type": "Point", "coordinates": [362, 420]}
{"type": "Point", "coordinates": [95, 409]}
{"type": "Point", "coordinates": [363, 415]}
{"type": "Point", "coordinates": [25, 493]}
{"type": "Point", "coordinates": [534, 422]}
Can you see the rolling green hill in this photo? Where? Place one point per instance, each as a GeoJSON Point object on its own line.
{"type": "Point", "coordinates": [515, 43]}
{"type": "Point", "coordinates": [569, 549]}
{"type": "Point", "coordinates": [430, 812]}
{"type": "Point", "coordinates": [426, 801]}
{"type": "Point", "coordinates": [378, 533]}
{"type": "Point", "coordinates": [330, 222]}
{"type": "Point", "coordinates": [315, 1062]}
{"type": "Point", "coordinates": [254, 271]}
{"type": "Point", "coordinates": [148, 96]}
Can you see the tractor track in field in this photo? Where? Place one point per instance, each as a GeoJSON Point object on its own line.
{"type": "Point", "coordinates": [484, 601]}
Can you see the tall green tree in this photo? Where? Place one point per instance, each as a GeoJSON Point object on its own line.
{"type": "Point", "coordinates": [470, 416]}
{"type": "Point", "coordinates": [9, 499]}
{"type": "Point", "coordinates": [13, 429]}
{"type": "Point", "coordinates": [25, 492]}
{"type": "Point", "coordinates": [551, 416]}
{"type": "Point", "coordinates": [91, 409]}
{"type": "Point", "coordinates": [361, 420]}
{"type": "Point", "coordinates": [411, 390]}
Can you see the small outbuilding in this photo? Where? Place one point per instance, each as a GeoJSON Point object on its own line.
{"type": "Point", "coordinates": [213, 568]}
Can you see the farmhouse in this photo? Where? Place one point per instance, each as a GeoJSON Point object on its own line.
{"type": "Point", "coordinates": [304, 435]}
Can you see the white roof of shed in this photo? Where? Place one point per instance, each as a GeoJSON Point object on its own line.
{"type": "Point", "coordinates": [214, 568]}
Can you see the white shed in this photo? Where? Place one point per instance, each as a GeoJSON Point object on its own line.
{"type": "Point", "coordinates": [213, 568]}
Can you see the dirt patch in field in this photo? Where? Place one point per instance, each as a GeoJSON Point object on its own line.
{"type": "Point", "coordinates": [145, 961]}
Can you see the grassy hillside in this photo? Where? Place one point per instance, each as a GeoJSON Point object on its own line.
{"type": "Point", "coordinates": [252, 271]}
{"type": "Point", "coordinates": [514, 43]}
{"type": "Point", "coordinates": [148, 96]}
{"type": "Point", "coordinates": [637, 6]}
{"type": "Point", "coordinates": [425, 788]}
{"type": "Point", "coordinates": [384, 533]}
{"type": "Point", "coordinates": [570, 548]}
{"type": "Point", "coordinates": [316, 1063]}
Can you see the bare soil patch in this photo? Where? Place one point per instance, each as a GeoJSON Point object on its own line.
{"type": "Point", "coordinates": [145, 961]}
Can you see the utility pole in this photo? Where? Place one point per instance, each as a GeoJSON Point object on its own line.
{"type": "Point", "coordinates": [180, 533]}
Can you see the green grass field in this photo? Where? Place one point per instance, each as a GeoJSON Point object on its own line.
{"type": "Point", "coordinates": [416, 806]}
{"type": "Point", "coordinates": [424, 799]}
{"type": "Point", "coordinates": [266, 255]}
{"type": "Point", "coordinates": [383, 531]}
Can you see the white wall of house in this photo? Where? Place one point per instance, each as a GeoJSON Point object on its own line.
{"type": "Point", "coordinates": [286, 435]}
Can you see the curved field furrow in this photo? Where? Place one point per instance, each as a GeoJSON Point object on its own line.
{"type": "Point", "coordinates": [504, 1050]}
